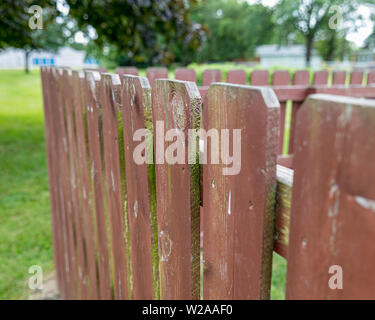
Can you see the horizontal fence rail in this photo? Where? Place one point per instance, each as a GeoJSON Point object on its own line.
{"type": "Point", "coordinates": [136, 217]}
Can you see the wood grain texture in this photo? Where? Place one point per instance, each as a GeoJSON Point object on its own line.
{"type": "Point", "coordinates": [283, 206]}
{"type": "Point", "coordinates": [239, 209]}
{"type": "Point", "coordinates": [94, 125]}
{"type": "Point", "coordinates": [178, 105]}
{"type": "Point", "coordinates": [84, 184]}
{"type": "Point", "coordinates": [51, 147]}
{"type": "Point", "coordinates": [140, 185]}
{"type": "Point", "coordinates": [332, 218]}
{"type": "Point", "coordinates": [110, 102]}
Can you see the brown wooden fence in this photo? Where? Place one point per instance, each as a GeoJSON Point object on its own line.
{"type": "Point", "coordinates": [123, 230]}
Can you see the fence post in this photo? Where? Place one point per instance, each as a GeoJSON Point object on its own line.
{"type": "Point", "coordinates": [176, 108]}
{"type": "Point", "coordinates": [333, 201]}
{"type": "Point", "coordinates": [111, 115]}
{"type": "Point", "coordinates": [140, 186]}
{"type": "Point", "coordinates": [238, 208]}
{"type": "Point", "coordinates": [92, 100]}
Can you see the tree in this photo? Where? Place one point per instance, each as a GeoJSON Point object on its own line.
{"type": "Point", "coordinates": [144, 31]}
{"type": "Point", "coordinates": [234, 29]}
{"type": "Point", "coordinates": [15, 30]}
{"type": "Point", "coordinates": [310, 17]}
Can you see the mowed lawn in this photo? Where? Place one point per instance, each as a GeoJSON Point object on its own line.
{"type": "Point", "coordinates": [25, 223]}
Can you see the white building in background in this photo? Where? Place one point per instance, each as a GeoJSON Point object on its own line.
{"type": "Point", "coordinates": [286, 56]}
{"type": "Point", "coordinates": [67, 57]}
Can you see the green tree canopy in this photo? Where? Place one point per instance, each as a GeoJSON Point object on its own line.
{"type": "Point", "coordinates": [235, 29]}
{"type": "Point", "coordinates": [314, 18]}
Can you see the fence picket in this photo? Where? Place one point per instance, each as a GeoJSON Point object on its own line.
{"type": "Point", "coordinates": [236, 76]}
{"type": "Point", "coordinates": [110, 98]}
{"type": "Point", "coordinates": [238, 209]}
{"type": "Point", "coordinates": [156, 73]}
{"type": "Point", "coordinates": [92, 100]}
{"type": "Point", "coordinates": [136, 104]}
{"type": "Point", "coordinates": [332, 218]}
{"type": "Point", "coordinates": [177, 103]}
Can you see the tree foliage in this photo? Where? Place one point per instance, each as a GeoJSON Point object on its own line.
{"type": "Point", "coordinates": [142, 31]}
{"type": "Point", "coordinates": [313, 18]}
{"type": "Point", "coordinates": [234, 29]}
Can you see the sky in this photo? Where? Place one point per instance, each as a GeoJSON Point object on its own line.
{"type": "Point", "coordinates": [357, 37]}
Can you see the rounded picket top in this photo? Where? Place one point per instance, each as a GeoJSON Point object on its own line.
{"type": "Point", "coordinates": [281, 78]}
{"type": "Point", "coordinates": [236, 76]}
{"type": "Point", "coordinates": [127, 70]}
{"type": "Point", "coordinates": [211, 75]}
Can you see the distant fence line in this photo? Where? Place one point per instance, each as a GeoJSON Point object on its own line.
{"type": "Point", "coordinates": [128, 231]}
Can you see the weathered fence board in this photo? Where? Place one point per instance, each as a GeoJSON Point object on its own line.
{"type": "Point", "coordinates": [110, 98]}
{"type": "Point", "coordinates": [65, 186]}
{"type": "Point", "coordinates": [259, 78]}
{"type": "Point", "coordinates": [281, 78]}
{"type": "Point", "coordinates": [301, 77]}
{"type": "Point", "coordinates": [371, 77]}
{"type": "Point", "coordinates": [210, 76]}
{"type": "Point", "coordinates": [356, 77]}
{"type": "Point", "coordinates": [186, 74]}
{"type": "Point", "coordinates": [93, 107]}
{"type": "Point", "coordinates": [339, 77]}
{"type": "Point", "coordinates": [238, 209]}
{"type": "Point", "coordinates": [140, 181]}
{"type": "Point", "coordinates": [52, 159]}
{"type": "Point", "coordinates": [320, 77]}
{"type": "Point", "coordinates": [127, 70]}
{"type": "Point", "coordinates": [84, 183]}
{"type": "Point", "coordinates": [332, 218]}
{"type": "Point", "coordinates": [236, 77]}
{"type": "Point", "coordinates": [177, 105]}
{"type": "Point", "coordinates": [67, 92]}
{"type": "Point", "coordinates": [156, 73]}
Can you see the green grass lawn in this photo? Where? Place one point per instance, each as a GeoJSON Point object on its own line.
{"type": "Point", "coordinates": [25, 227]}
{"type": "Point", "coordinates": [25, 224]}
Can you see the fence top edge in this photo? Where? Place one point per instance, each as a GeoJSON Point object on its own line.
{"type": "Point", "coordinates": [112, 78]}
{"type": "Point", "coordinates": [284, 175]}
{"type": "Point", "coordinates": [343, 100]}
{"type": "Point", "coordinates": [145, 84]}
{"type": "Point", "coordinates": [268, 94]}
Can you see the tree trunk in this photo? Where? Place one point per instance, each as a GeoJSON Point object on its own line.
{"type": "Point", "coordinates": [27, 54]}
{"type": "Point", "coordinates": [309, 47]}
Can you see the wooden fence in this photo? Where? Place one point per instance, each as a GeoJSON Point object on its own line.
{"type": "Point", "coordinates": [123, 230]}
